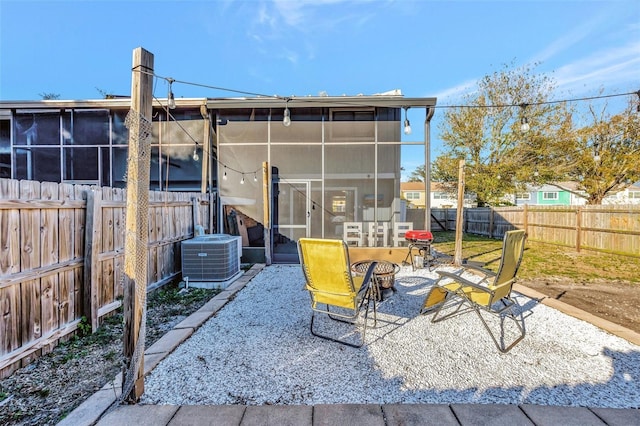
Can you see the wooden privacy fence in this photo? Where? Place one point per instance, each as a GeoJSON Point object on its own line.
{"type": "Point", "coordinates": [606, 228]}
{"type": "Point", "coordinates": [62, 255]}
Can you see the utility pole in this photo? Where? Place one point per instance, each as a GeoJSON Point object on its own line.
{"type": "Point", "coordinates": [457, 258]}
{"type": "Point", "coordinates": [137, 224]}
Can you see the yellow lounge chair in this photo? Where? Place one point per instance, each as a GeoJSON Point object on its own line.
{"type": "Point", "coordinates": [327, 272]}
{"type": "Point", "coordinates": [492, 296]}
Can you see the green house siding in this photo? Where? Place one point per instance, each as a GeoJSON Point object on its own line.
{"type": "Point", "coordinates": [563, 198]}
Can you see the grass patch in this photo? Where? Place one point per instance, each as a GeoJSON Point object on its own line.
{"type": "Point", "coordinates": [542, 260]}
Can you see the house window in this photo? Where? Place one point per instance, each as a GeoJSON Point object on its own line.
{"type": "Point", "coordinates": [5, 149]}
{"type": "Point", "coordinates": [412, 195]}
{"type": "Point", "coordinates": [549, 195]}
{"type": "Point", "coordinates": [523, 196]}
{"type": "Point", "coordinates": [440, 196]}
{"type": "Point", "coordinates": [634, 195]}
{"type": "Point", "coordinates": [352, 126]}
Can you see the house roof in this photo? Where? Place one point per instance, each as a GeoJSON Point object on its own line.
{"type": "Point", "coordinates": [381, 100]}
{"type": "Point", "coordinates": [419, 186]}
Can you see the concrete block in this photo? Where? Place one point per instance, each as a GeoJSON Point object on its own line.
{"type": "Point", "coordinates": [419, 415]}
{"type": "Point", "coordinates": [543, 415]}
{"type": "Point", "coordinates": [139, 415]}
{"type": "Point", "coordinates": [348, 415]}
{"type": "Point", "coordinates": [618, 416]}
{"type": "Point", "coordinates": [281, 415]}
{"type": "Point", "coordinates": [490, 414]}
{"type": "Point", "coordinates": [202, 415]}
{"type": "Point", "coordinates": [169, 341]}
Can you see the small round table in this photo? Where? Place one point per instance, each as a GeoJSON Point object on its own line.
{"type": "Point", "coordinates": [384, 274]}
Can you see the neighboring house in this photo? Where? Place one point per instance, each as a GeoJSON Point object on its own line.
{"type": "Point", "coordinates": [338, 160]}
{"type": "Point", "coordinates": [559, 195]}
{"type": "Point", "coordinates": [414, 194]}
{"type": "Point", "coordinates": [631, 195]}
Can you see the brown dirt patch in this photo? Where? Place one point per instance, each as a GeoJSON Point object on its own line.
{"type": "Point", "coordinates": [615, 301]}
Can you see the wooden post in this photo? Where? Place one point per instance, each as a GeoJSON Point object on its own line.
{"type": "Point", "coordinates": [457, 258]}
{"type": "Point", "coordinates": [266, 208]}
{"type": "Point", "coordinates": [195, 206]}
{"type": "Point", "coordinates": [578, 228]}
{"type": "Point", "coordinates": [213, 208]}
{"type": "Point", "coordinates": [137, 222]}
{"type": "Point", "coordinates": [92, 244]}
{"type": "Point", "coordinates": [525, 218]}
{"type": "Point", "coordinates": [491, 213]}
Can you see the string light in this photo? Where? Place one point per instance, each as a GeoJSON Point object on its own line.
{"type": "Point", "coordinates": [286, 121]}
{"type": "Point", "coordinates": [348, 103]}
{"type": "Point", "coordinates": [196, 157]}
{"type": "Point", "coordinates": [524, 123]}
{"type": "Point", "coordinates": [171, 101]}
{"type": "Point", "coordinates": [242, 181]}
{"type": "Point", "coordinates": [407, 125]}
{"type": "Point", "coordinates": [255, 176]}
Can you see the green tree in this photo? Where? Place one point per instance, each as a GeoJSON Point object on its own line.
{"type": "Point", "coordinates": [603, 156]}
{"type": "Point", "coordinates": [486, 133]}
{"type": "Point", "coordinates": [418, 175]}
{"type": "Point", "coordinates": [49, 96]}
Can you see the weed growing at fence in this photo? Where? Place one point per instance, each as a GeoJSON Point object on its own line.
{"type": "Point", "coordinates": [46, 390]}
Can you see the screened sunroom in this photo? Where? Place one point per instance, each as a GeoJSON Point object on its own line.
{"type": "Point", "coordinates": [325, 167]}
{"type": "Point", "coordinates": [334, 166]}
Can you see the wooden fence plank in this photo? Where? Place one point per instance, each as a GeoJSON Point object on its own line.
{"type": "Point", "coordinates": [10, 332]}
{"type": "Point", "coordinates": [44, 271]}
{"type": "Point", "coordinates": [9, 230]}
{"type": "Point", "coordinates": [93, 244]}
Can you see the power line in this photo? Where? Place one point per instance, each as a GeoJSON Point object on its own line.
{"type": "Point", "coordinates": [347, 103]}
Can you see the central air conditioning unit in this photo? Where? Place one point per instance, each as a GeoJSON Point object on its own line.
{"type": "Point", "coordinates": [211, 261]}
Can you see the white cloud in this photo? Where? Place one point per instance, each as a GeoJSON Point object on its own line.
{"type": "Point", "coordinates": [578, 34]}
{"type": "Point", "coordinates": [616, 67]}
{"type": "Point", "coordinates": [456, 93]}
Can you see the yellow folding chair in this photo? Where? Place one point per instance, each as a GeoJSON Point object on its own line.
{"type": "Point", "coordinates": [492, 294]}
{"type": "Point", "coordinates": [333, 289]}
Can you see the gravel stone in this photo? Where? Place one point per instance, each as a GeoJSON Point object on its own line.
{"type": "Point", "coordinates": [258, 350]}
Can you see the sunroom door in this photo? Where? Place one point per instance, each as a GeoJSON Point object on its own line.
{"type": "Point", "coordinates": [293, 221]}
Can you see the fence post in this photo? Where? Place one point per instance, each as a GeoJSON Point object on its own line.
{"type": "Point", "coordinates": [491, 218]}
{"type": "Point", "coordinates": [195, 205]}
{"type": "Point", "coordinates": [92, 245]}
{"type": "Point", "coordinates": [446, 218]}
{"type": "Point", "coordinates": [578, 228]}
{"type": "Point", "coordinates": [213, 212]}
{"type": "Point", "coordinates": [525, 218]}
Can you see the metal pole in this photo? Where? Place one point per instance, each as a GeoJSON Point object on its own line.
{"type": "Point", "coordinates": [427, 168]}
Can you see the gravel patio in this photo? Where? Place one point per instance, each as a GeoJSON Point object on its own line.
{"type": "Point", "coordinates": [258, 350]}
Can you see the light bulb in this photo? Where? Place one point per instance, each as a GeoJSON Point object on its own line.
{"type": "Point", "coordinates": [171, 102]}
{"type": "Point", "coordinates": [255, 177]}
{"type": "Point", "coordinates": [224, 176]}
{"type": "Point", "coordinates": [286, 121]}
{"type": "Point", "coordinates": [536, 173]}
{"type": "Point", "coordinates": [524, 124]}
{"type": "Point", "coordinates": [596, 158]}
{"type": "Point", "coordinates": [196, 157]}
{"type": "Point", "coordinates": [407, 127]}
{"type": "Point", "coordinates": [242, 181]}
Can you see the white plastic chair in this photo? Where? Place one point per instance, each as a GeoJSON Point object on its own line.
{"type": "Point", "coordinates": [378, 233]}
{"type": "Point", "coordinates": [399, 229]}
{"type": "Point", "coordinates": [352, 234]}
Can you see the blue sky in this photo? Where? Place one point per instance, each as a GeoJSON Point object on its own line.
{"type": "Point", "coordinates": [298, 47]}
